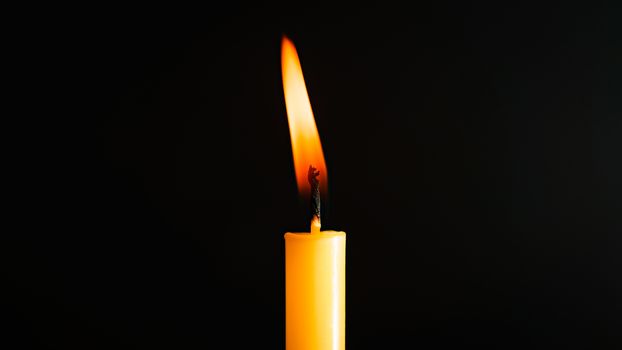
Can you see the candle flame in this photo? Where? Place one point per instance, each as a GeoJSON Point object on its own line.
{"type": "Point", "coordinates": [306, 145]}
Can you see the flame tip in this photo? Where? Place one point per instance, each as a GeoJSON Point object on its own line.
{"type": "Point", "coordinates": [285, 40]}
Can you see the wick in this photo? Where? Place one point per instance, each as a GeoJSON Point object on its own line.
{"type": "Point", "coordinates": [316, 223]}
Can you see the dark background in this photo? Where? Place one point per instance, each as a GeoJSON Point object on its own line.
{"type": "Point", "coordinates": [473, 156]}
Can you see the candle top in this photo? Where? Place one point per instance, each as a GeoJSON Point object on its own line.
{"type": "Point", "coordinates": [318, 235]}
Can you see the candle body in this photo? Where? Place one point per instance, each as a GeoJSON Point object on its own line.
{"type": "Point", "coordinates": [315, 290]}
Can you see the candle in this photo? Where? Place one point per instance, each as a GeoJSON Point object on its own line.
{"type": "Point", "coordinates": [315, 260]}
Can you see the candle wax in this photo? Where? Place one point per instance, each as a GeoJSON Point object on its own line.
{"type": "Point", "coordinates": [315, 290]}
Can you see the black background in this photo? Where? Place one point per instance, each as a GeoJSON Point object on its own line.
{"type": "Point", "coordinates": [473, 157]}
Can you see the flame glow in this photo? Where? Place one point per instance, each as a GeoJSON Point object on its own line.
{"type": "Point", "coordinates": [306, 145]}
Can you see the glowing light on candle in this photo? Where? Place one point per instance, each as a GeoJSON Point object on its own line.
{"type": "Point", "coordinates": [306, 145]}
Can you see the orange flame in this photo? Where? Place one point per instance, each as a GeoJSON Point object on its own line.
{"type": "Point", "coordinates": [306, 145]}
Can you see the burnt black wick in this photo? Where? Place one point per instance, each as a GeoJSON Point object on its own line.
{"type": "Point", "coordinates": [315, 195]}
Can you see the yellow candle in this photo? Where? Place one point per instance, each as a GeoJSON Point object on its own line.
{"type": "Point", "coordinates": [315, 261]}
{"type": "Point", "coordinates": [315, 290]}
